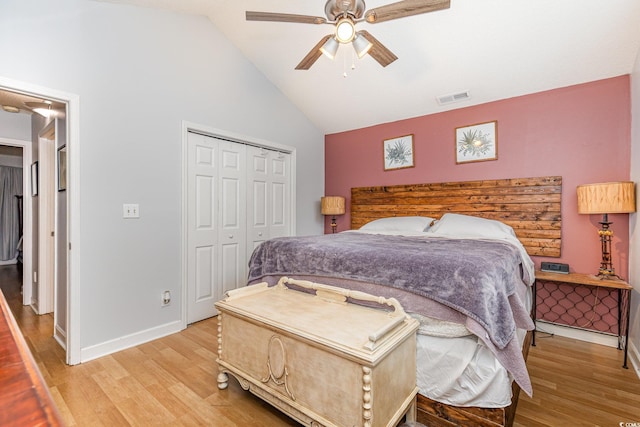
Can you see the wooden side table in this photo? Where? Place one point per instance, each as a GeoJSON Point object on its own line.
{"type": "Point", "coordinates": [624, 299]}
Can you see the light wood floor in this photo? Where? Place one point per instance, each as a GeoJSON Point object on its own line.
{"type": "Point", "coordinates": [172, 381]}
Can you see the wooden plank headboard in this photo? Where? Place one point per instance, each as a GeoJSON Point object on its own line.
{"type": "Point", "coordinates": [530, 205]}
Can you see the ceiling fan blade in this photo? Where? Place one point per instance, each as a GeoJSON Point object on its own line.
{"type": "Point", "coordinates": [378, 51]}
{"type": "Point", "coordinates": [313, 54]}
{"type": "Point", "coordinates": [284, 17]}
{"type": "Point", "coordinates": [404, 8]}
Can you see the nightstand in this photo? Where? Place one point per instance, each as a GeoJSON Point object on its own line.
{"type": "Point", "coordinates": [591, 281]}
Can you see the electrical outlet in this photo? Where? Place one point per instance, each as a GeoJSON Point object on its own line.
{"type": "Point", "coordinates": [166, 298]}
{"type": "Point", "coordinates": [130, 210]}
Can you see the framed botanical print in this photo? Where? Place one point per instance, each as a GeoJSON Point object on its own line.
{"type": "Point", "coordinates": [398, 152]}
{"type": "Point", "coordinates": [477, 143]}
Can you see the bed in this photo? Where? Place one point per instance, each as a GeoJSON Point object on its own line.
{"type": "Point", "coordinates": [472, 350]}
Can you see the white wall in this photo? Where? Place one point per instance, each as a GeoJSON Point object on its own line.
{"type": "Point", "coordinates": [138, 73]}
{"type": "Point", "coordinates": [634, 220]}
{"type": "Point", "coordinates": [12, 125]}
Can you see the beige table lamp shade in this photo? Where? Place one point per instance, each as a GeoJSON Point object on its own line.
{"type": "Point", "coordinates": [606, 198]}
{"type": "Point", "coordinates": [332, 205]}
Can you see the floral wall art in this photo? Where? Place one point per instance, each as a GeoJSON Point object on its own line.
{"type": "Point", "coordinates": [398, 152]}
{"type": "Point", "coordinates": [477, 143]}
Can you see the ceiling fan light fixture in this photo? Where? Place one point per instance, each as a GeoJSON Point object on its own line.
{"type": "Point", "coordinates": [345, 30]}
{"type": "Point", "coordinates": [361, 45]}
{"type": "Point", "coordinates": [330, 48]}
{"type": "Point", "coordinates": [344, 14]}
{"type": "Point", "coordinates": [10, 109]}
{"type": "Point", "coordinates": [43, 108]}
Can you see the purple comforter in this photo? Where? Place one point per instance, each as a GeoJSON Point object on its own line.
{"type": "Point", "coordinates": [474, 277]}
{"type": "Point", "coordinates": [477, 278]}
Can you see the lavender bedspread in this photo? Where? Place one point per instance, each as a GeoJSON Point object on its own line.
{"type": "Point", "coordinates": [474, 277]}
{"type": "Point", "coordinates": [477, 278]}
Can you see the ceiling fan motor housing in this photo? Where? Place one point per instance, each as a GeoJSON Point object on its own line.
{"type": "Point", "coordinates": [335, 9]}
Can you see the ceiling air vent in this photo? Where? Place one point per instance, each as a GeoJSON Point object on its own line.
{"type": "Point", "coordinates": [455, 97]}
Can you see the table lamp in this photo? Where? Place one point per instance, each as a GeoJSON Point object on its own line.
{"type": "Point", "coordinates": [606, 198]}
{"type": "Point", "coordinates": [332, 205]}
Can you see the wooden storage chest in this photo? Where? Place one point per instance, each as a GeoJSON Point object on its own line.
{"type": "Point", "coordinates": [319, 357]}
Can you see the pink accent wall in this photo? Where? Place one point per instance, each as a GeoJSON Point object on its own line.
{"type": "Point", "coordinates": [582, 133]}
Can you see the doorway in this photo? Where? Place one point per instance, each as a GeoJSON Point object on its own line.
{"type": "Point", "coordinates": [69, 296]}
{"type": "Point", "coordinates": [25, 149]}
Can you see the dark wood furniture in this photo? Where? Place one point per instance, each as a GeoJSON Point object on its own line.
{"type": "Point", "coordinates": [24, 397]}
{"type": "Point", "coordinates": [624, 299]}
{"type": "Point", "coordinates": [531, 206]}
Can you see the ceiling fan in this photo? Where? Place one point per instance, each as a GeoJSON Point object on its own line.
{"type": "Point", "coordinates": [344, 15]}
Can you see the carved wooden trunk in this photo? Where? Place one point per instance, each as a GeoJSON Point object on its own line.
{"type": "Point", "coordinates": [318, 358]}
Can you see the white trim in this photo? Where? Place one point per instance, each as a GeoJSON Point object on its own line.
{"type": "Point", "coordinates": [74, 285]}
{"type": "Point", "coordinates": [128, 341]}
{"type": "Point", "coordinates": [543, 327]}
{"type": "Point", "coordinates": [634, 358]}
{"type": "Point", "coordinates": [46, 220]}
{"type": "Point", "coordinates": [232, 136]}
{"type": "Point", "coordinates": [73, 220]}
{"type": "Point", "coordinates": [60, 336]}
{"type": "Point", "coordinates": [27, 282]}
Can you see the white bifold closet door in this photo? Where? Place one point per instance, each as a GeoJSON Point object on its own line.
{"type": "Point", "coordinates": [238, 196]}
{"type": "Point", "coordinates": [268, 196]}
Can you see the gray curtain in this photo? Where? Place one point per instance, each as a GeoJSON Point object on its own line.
{"type": "Point", "coordinates": [10, 187]}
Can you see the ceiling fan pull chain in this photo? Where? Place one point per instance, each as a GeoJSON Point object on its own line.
{"type": "Point", "coordinates": [344, 64]}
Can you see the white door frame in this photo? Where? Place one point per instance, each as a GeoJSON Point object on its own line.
{"type": "Point", "coordinates": [27, 283]}
{"type": "Point", "coordinates": [46, 219]}
{"type": "Point", "coordinates": [73, 193]}
{"type": "Point", "coordinates": [231, 136]}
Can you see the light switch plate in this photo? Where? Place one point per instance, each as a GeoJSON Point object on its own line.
{"type": "Point", "coordinates": [130, 210]}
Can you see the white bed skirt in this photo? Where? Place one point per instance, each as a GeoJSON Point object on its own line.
{"type": "Point", "coordinates": [467, 373]}
{"type": "Point", "coordinates": [463, 371]}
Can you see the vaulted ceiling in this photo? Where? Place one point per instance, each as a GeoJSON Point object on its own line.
{"type": "Point", "coordinates": [495, 49]}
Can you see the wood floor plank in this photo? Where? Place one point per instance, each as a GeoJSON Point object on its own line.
{"type": "Point", "coordinates": [172, 381]}
{"type": "Point", "coordinates": [578, 383]}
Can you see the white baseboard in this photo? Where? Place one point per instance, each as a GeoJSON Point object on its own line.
{"type": "Point", "coordinates": [9, 262]}
{"type": "Point", "coordinates": [60, 336]}
{"type": "Point", "coordinates": [128, 341]}
{"type": "Point", "coordinates": [578, 334]}
{"type": "Point", "coordinates": [634, 359]}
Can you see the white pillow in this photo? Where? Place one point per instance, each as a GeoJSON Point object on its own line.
{"type": "Point", "coordinates": [471, 226]}
{"type": "Point", "coordinates": [399, 223]}
{"type": "Point", "coordinates": [464, 226]}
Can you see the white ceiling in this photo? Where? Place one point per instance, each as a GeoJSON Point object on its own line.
{"type": "Point", "coordinates": [496, 49]}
